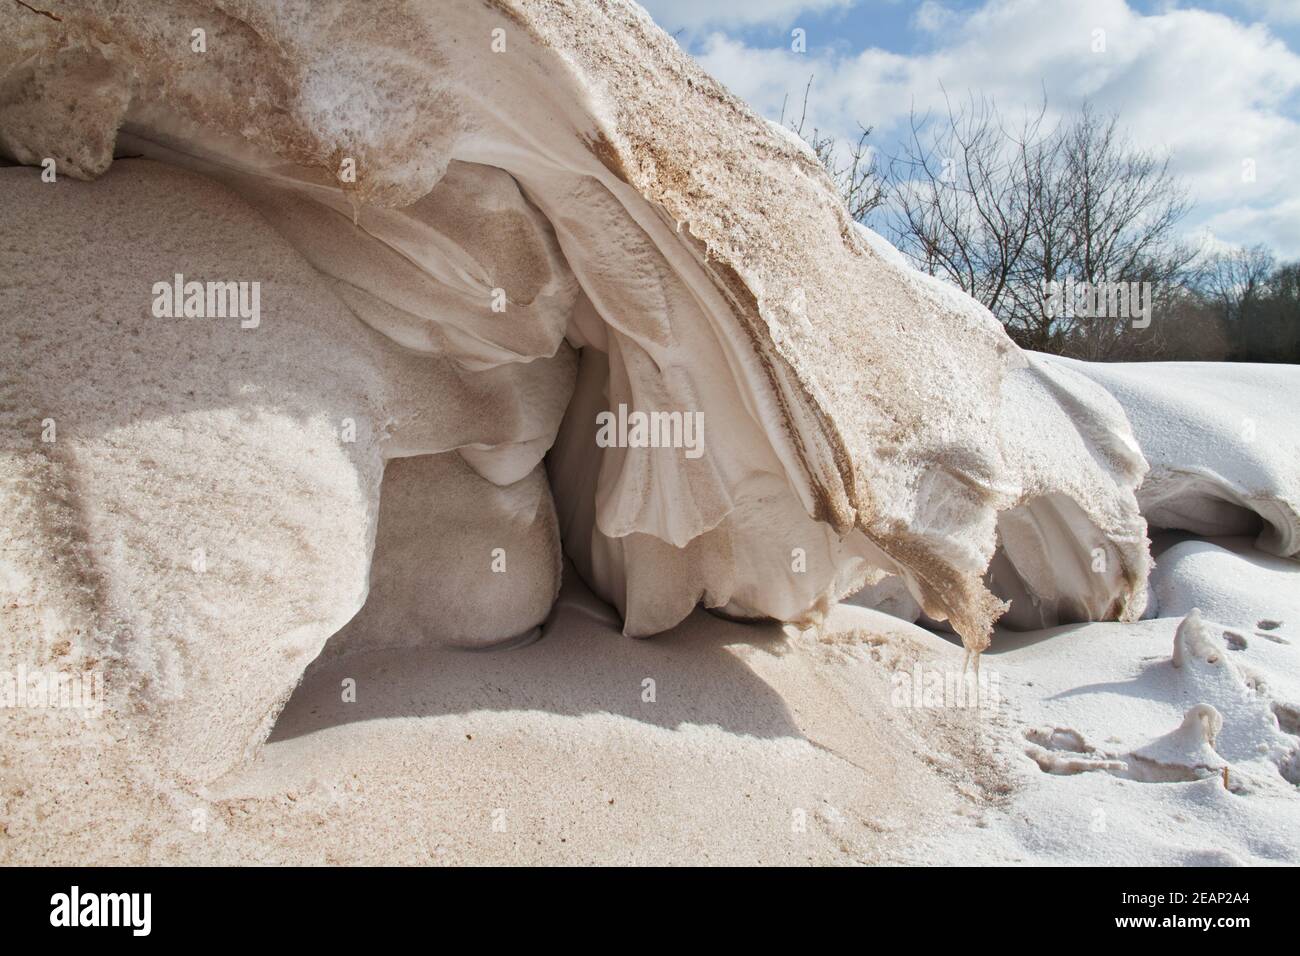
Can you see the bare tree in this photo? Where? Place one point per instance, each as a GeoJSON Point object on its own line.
{"type": "Point", "coordinates": [854, 171]}
{"type": "Point", "coordinates": [1258, 302]}
{"type": "Point", "coordinates": [1003, 210]}
{"type": "Point", "coordinates": [1235, 279]}
{"type": "Point", "coordinates": [1122, 208]}
{"type": "Point", "coordinates": [1279, 340]}
{"type": "Point", "coordinates": [964, 198]}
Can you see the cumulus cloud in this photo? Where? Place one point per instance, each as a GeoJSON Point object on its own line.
{"type": "Point", "coordinates": [1216, 94]}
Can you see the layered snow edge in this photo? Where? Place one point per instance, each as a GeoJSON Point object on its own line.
{"type": "Point", "coordinates": [393, 177]}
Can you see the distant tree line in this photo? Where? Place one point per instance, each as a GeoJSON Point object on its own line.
{"type": "Point", "coordinates": [1012, 212]}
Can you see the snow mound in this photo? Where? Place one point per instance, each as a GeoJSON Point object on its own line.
{"type": "Point", "coordinates": [1232, 584]}
{"type": "Point", "coordinates": [202, 516]}
{"type": "Point", "coordinates": [618, 198]}
{"type": "Point", "coordinates": [1189, 748]}
{"type": "Point", "coordinates": [1245, 726]}
{"type": "Point", "coordinates": [1073, 547]}
{"type": "Point", "coordinates": [479, 229]}
{"type": "Point", "coordinates": [1221, 444]}
{"type": "Point", "coordinates": [426, 577]}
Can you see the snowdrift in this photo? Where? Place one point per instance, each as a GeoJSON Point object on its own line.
{"type": "Point", "coordinates": [1223, 443]}
{"type": "Point", "coordinates": [476, 228]}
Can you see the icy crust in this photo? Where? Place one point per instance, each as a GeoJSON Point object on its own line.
{"type": "Point", "coordinates": [1222, 442]}
{"type": "Point", "coordinates": [624, 202]}
{"type": "Point", "coordinates": [1074, 547]}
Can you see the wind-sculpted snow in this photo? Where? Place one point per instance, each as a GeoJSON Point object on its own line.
{"type": "Point", "coordinates": [493, 223]}
{"type": "Point", "coordinates": [1074, 547]}
{"type": "Point", "coordinates": [1223, 442]}
{"type": "Point", "coordinates": [204, 513]}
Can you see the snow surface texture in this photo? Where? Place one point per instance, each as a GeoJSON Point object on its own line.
{"type": "Point", "coordinates": [200, 519]}
{"type": "Point", "coordinates": [402, 452]}
{"type": "Point", "coordinates": [1222, 441]}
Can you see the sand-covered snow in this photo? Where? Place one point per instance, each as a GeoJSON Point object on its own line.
{"type": "Point", "coordinates": [723, 743]}
{"type": "Point", "coordinates": [356, 576]}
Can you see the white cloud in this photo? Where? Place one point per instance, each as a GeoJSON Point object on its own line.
{"type": "Point", "coordinates": [1210, 90]}
{"type": "Point", "coordinates": [932, 16]}
{"type": "Point", "coordinates": [1247, 225]}
{"type": "Point", "coordinates": [727, 14]}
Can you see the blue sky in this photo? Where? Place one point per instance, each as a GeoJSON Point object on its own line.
{"type": "Point", "coordinates": [1213, 83]}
